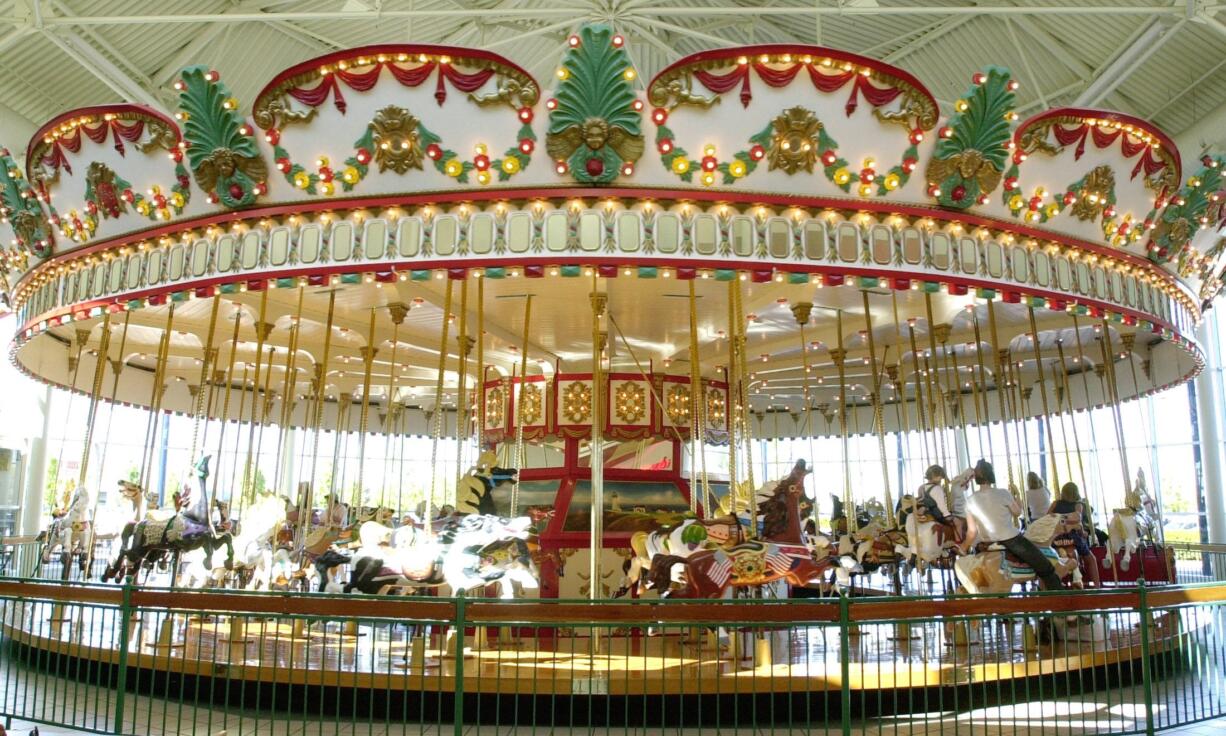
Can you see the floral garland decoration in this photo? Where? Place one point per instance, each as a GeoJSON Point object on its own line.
{"type": "Point", "coordinates": [356, 167]}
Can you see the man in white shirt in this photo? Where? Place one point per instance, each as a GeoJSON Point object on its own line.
{"type": "Point", "coordinates": [1038, 498]}
{"type": "Point", "coordinates": [991, 512]}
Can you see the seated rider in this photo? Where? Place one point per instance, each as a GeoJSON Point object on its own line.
{"type": "Point", "coordinates": [1070, 503]}
{"type": "Point", "coordinates": [991, 514]}
{"type": "Point", "coordinates": [1038, 498]}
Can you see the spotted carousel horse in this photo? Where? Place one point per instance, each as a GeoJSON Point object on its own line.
{"type": "Point", "coordinates": [680, 541]}
{"type": "Point", "coordinates": [467, 552]}
{"type": "Point", "coordinates": [1129, 526]}
{"type": "Point", "coordinates": [189, 529]}
{"type": "Point", "coordinates": [781, 553]}
{"type": "Point", "coordinates": [68, 532]}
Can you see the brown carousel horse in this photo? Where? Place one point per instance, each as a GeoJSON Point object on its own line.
{"type": "Point", "coordinates": [782, 553]}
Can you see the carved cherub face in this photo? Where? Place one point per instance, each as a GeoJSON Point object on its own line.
{"type": "Point", "coordinates": [595, 133]}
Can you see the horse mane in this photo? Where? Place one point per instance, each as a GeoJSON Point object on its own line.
{"type": "Point", "coordinates": [1044, 529]}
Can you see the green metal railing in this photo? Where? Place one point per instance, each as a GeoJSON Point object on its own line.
{"type": "Point", "coordinates": [120, 659]}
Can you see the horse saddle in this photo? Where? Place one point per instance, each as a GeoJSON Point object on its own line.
{"type": "Point", "coordinates": [1014, 566]}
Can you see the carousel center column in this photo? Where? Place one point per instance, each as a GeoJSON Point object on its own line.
{"type": "Point", "coordinates": [1208, 392]}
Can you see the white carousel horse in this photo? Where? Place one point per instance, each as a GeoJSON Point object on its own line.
{"type": "Point", "coordinates": [995, 572]}
{"type": "Point", "coordinates": [1128, 527]}
{"type": "Point", "coordinates": [187, 530]}
{"type": "Point", "coordinates": [253, 547]}
{"type": "Point", "coordinates": [68, 531]}
{"type": "Point", "coordinates": [930, 543]}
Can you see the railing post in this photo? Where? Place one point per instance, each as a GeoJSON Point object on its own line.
{"type": "Point", "coordinates": [1146, 674]}
{"type": "Point", "coordinates": [459, 664]}
{"type": "Point", "coordinates": [125, 632]}
{"type": "Point", "coordinates": [845, 664]}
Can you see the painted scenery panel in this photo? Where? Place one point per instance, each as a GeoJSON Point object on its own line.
{"type": "Point", "coordinates": [536, 499]}
{"type": "Point", "coordinates": [629, 506]}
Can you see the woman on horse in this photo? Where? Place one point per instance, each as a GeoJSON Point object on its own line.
{"type": "Point", "coordinates": [1038, 498]}
{"type": "Point", "coordinates": [1070, 503]}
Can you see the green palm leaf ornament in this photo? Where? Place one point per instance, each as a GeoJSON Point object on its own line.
{"type": "Point", "coordinates": [969, 159]}
{"type": "Point", "coordinates": [595, 129]}
{"type": "Point", "coordinates": [1200, 203]}
{"type": "Point", "coordinates": [19, 208]}
{"type": "Point", "coordinates": [223, 154]}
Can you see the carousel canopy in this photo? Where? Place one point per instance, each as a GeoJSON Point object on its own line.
{"type": "Point", "coordinates": [320, 237]}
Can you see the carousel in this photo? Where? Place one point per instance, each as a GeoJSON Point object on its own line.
{"type": "Point", "coordinates": [545, 339]}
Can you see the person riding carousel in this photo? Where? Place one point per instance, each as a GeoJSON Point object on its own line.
{"type": "Point", "coordinates": [991, 515]}
{"type": "Point", "coordinates": [932, 503]}
{"type": "Point", "coordinates": [1038, 498]}
{"type": "Point", "coordinates": [1070, 502]}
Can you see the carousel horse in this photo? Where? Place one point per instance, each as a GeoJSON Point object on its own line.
{"type": "Point", "coordinates": [283, 575]}
{"type": "Point", "coordinates": [871, 547]}
{"type": "Point", "coordinates": [253, 547]}
{"type": "Point", "coordinates": [480, 482]}
{"type": "Point", "coordinates": [680, 541]}
{"type": "Point", "coordinates": [1128, 527]}
{"type": "Point", "coordinates": [68, 532]}
{"type": "Point", "coordinates": [467, 552]}
{"type": "Point", "coordinates": [995, 571]}
{"type": "Point", "coordinates": [782, 552]}
{"type": "Point", "coordinates": [189, 529]}
{"type": "Point", "coordinates": [930, 542]}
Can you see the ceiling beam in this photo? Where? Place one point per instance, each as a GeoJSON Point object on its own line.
{"type": "Point", "coordinates": [85, 54]}
{"type": "Point", "coordinates": [1152, 37]}
{"type": "Point", "coordinates": [918, 42]}
{"type": "Point", "coordinates": [365, 16]}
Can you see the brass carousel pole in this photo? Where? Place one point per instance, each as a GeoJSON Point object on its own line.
{"type": "Point", "coordinates": [599, 302]}
{"type": "Point", "coordinates": [369, 351]}
{"type": "Point", "coordinates": [1085, 384]}
{"type": "Point", "coordinates": [878, 418]}
{"type": "Point", "coordinates": [1061, 396]}
{"type": "Point", "coordinates": [928, 420]}
{"type": "Point", "coordinates": [520, 458]}
{"type": "Point", "coordinates": [116, 368]}
{"type": "Point", "coordinates": [733, 382]}
{"type": "Point", "coordinates": [398, 312]}
{"type": "Point", "coordinates": [839, 356]}
{"type": "Point", "coordinates": [437, 432]}
{"type": "Point", "coordinates": [225, 410]}
{"type": "Point", "coordinates": [745, 407]}
{"type": "Point", "coordinates": [104, 346]}
{"type": "Point", "coordinates": [941, 332]}
{"type": "Point", "coordinates": [1001, 380]}
{"type": "Point", "coordinates": [238, 434]}
{"type": "Point", "coordinates": [698, 429]}
{"type": "Point", "coordinates": [74, 364]}
{"type": "Point", "coordinates": [321, 389]}
{"type": "Point", "coordinates": [981, 390]}
{"type": "Point", "coordinates": [288, 389]}
{"type": "Point", "coordinates": [1113, 398]}
{"type": "Point", "coordinates": [1129, 343]}
{"type": "Point", "coordinates": [1038, 359]}
{"type": "Point", "coordinates": [198, 403]}
{"type": "Point", "coordinates": [480, 386]}
{"type": "Point", "coordinates": [155, 397]}
{"type": "Point", "coordinates": [898, 378]}
{"type": "Point", "coordinates": [464, 347]}
{"type": "Point", "coordinates": [265, 406]}
{"type": "Point", "coordinates": [262, 330]}
{"type": "Point", "coordinates": [802, 311]}
{"type": "Point", "coordinates": [1073, 420]}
